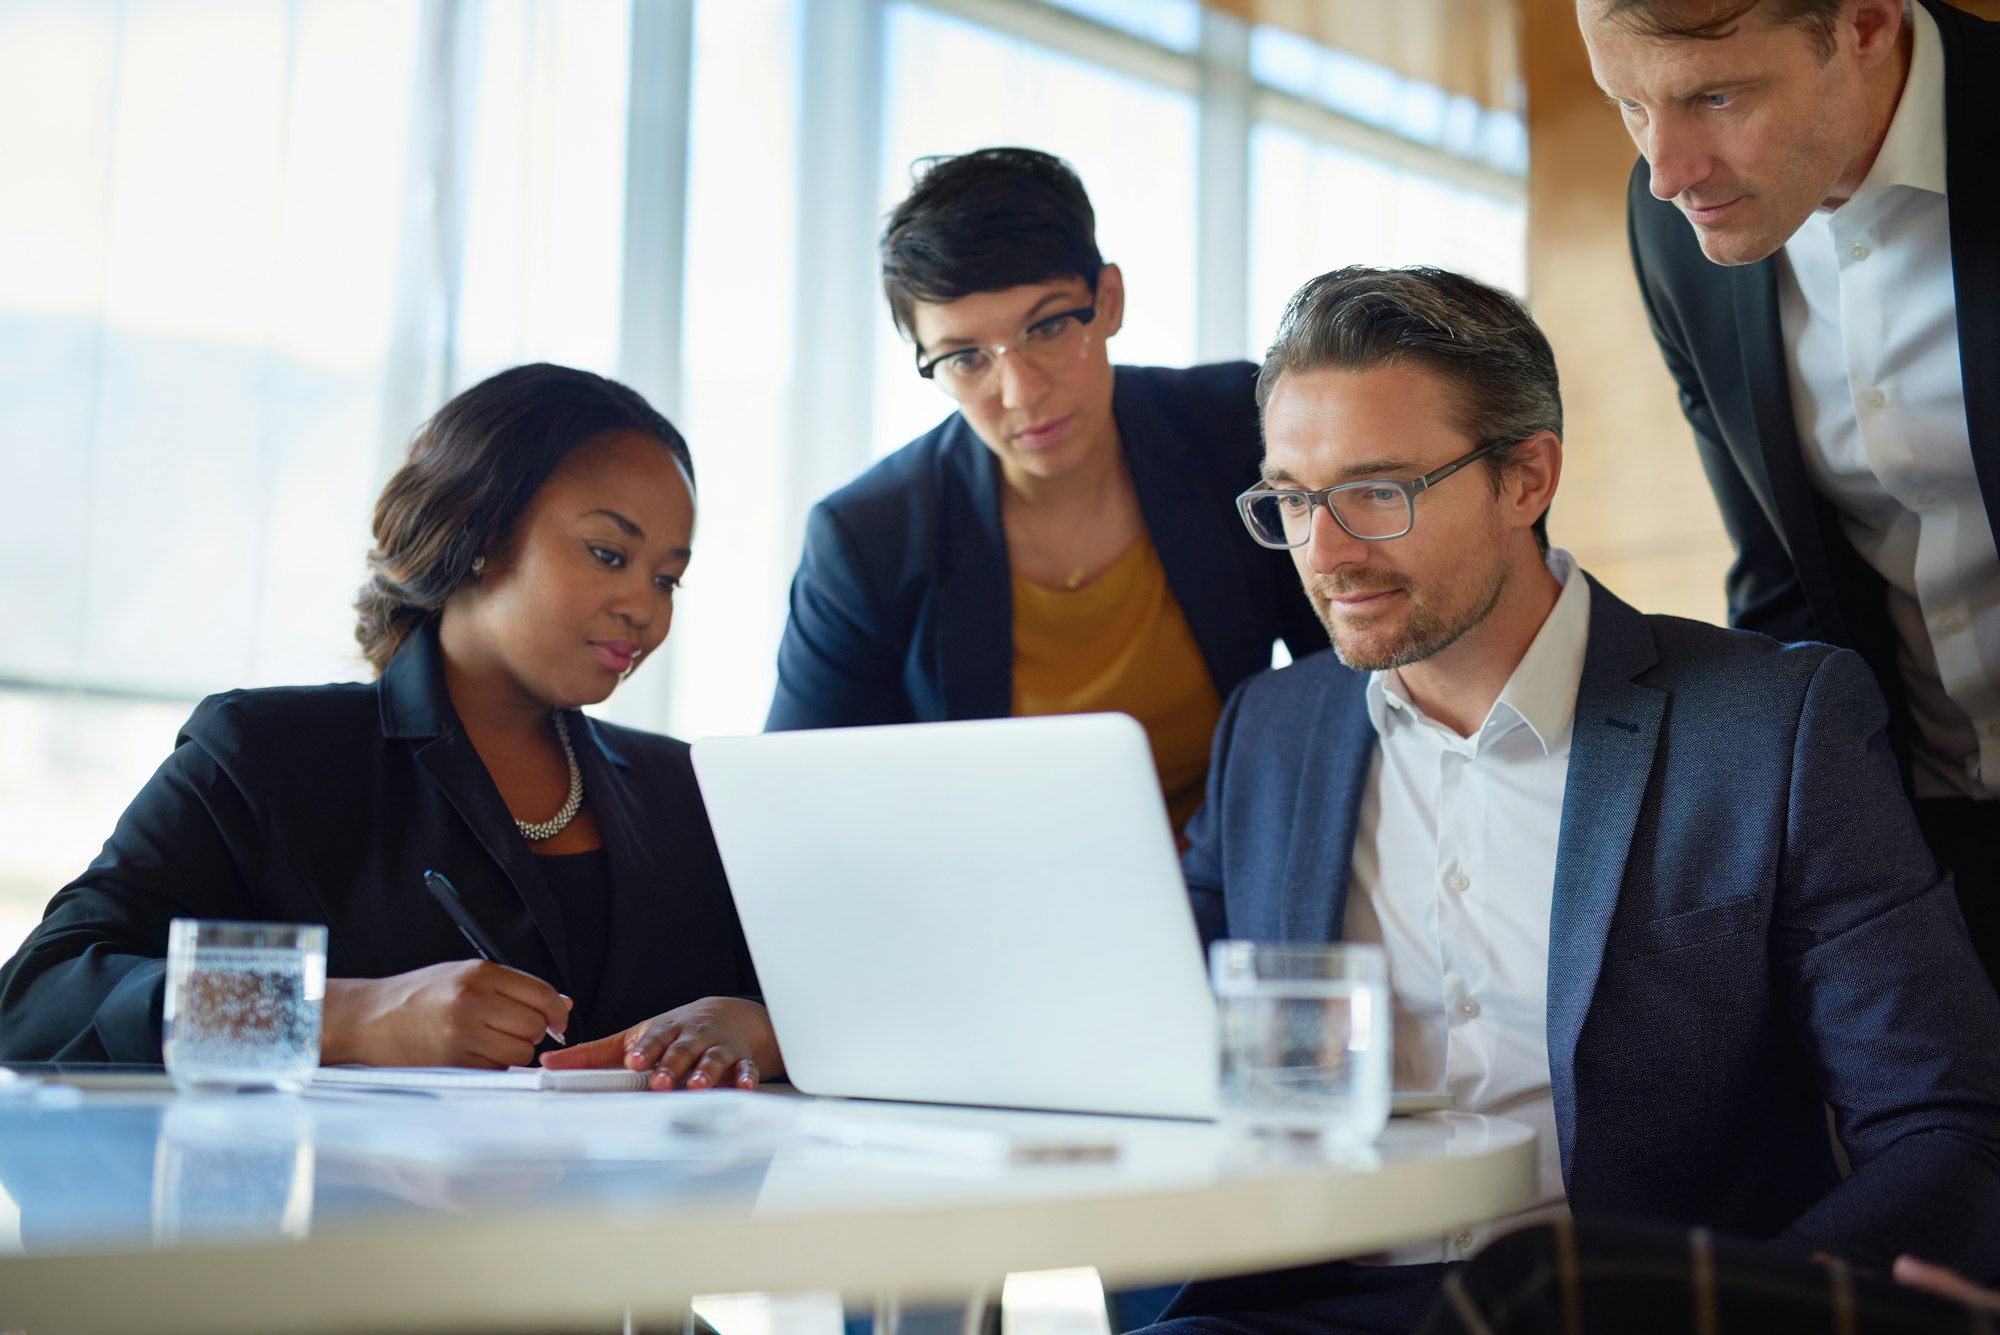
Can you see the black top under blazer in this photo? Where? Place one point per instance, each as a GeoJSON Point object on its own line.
{"type": "Point", "coordinates": [1796, 575]}
{"type": "Point", "coordinates": [902, 610]}
{"type": "Point", "coordinates": [325, 804]}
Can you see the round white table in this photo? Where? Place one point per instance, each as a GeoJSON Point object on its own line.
{"type": "Point", "coordinates": [143, 1211]}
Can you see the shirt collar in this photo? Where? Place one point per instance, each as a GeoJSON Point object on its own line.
{"type": "Point", "coordinates": [1540, 692]}
{"type": "Point", "coordinates": [1913, 151]}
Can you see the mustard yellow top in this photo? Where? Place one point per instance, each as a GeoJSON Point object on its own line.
{"type": "Point", "coordinates": [1121, 643]}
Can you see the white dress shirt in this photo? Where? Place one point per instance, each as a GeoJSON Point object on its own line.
{"type": "Point", "coordinates": [1454, 872]}
{"type": "Point", "coordinates": [1866, 301]}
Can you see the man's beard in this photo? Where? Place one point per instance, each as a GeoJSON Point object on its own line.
{"type": "Point", "coordinates": [1429, 630]}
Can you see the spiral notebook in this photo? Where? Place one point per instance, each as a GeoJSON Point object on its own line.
{"type": "Point", "coordinates": [532, 1078]}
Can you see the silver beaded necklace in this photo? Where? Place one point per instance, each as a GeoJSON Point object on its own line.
{"type": "Point", "coordinates": [537, 831]}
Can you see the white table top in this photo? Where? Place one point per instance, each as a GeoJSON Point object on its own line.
{"type": "Point", "coordinates": [142, 1211]}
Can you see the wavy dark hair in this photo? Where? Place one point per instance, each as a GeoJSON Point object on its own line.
{"type": "Point", "coordinates": [472, 470]}
{"type": "Point", "coordinates": [983, 221]}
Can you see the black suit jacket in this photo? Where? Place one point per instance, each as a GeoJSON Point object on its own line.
{"type": "Point", "coordinates": [325, 804]}
{"type": "Point", "coordinates": [1796, 576]}
{"type": "Point", "coordinates": [902, 608]}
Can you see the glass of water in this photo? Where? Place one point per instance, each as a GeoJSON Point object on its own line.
{"type": "Point", "coordinates": [1305, 1039]}
{"type": "Point", "coordinates": [243, 1003]}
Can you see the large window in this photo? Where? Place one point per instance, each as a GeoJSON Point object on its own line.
{"type": "Point", "coordinates": [245, 247]}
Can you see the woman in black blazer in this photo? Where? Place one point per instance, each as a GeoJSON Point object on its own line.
{"type": "Point", "coordinates": [525, 562]}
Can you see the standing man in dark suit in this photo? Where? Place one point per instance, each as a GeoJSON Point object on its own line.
{"type": "Point", "coordinates": [1644, 884]}
{"type": "Point", "coordinates": [1816, 227]}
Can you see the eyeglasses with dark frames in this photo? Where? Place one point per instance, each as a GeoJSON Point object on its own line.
{"type": "Point", "coordinates": [1049, 344]}
{"type": "Point", "coordinates": [1375, 510]}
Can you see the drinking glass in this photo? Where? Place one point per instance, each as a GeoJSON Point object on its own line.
{"type": "Point", "coordinates": [1305, 1039]}
{"type": "Point", "coordinates": [243, 1003]}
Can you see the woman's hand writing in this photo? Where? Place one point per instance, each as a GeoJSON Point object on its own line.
{"type": "Point", "coordinates": [461, 1013]}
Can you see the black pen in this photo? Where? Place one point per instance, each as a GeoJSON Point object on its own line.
{"type": "Point", "coordinates": [446, 895]}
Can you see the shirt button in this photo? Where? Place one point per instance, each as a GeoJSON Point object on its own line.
{"type": "Point", "coordinates": [1949, 625]}
{"type": "Point", "coordinates": [1857, 251]}
{"type": "Point", "coordinates": [1926, 501]}
{"type": "Point", "coordinates": [1874, 398]}
{"type": "Point", "coordinates": [1463, 1241]}
{"type": "Point", "coordinates": [1460, 881]}
{"type": "Point", "coordinates": [1469, 1009]}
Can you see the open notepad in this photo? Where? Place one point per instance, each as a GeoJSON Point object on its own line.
{"type": "Point", "coordinates": [451, 1077]}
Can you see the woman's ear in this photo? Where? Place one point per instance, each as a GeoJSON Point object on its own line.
{"type": "Point", "coordinates": [1110, 300]}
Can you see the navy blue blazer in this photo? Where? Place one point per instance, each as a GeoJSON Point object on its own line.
{"type": "Point", "coordinates": [1746, 924]}
{"type": "Point", "coordinates": [902, 610]}
{"type": "Point", "coordinates": [1796, 574]}
{"type": "Point", "coordinates": [325, 804]}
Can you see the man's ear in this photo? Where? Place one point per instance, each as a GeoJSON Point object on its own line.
{"type": "Point", "coordinates": [1110, 301]}
{"type": "Point", "coordinates": [1534, 467]}
{"type": "Point", "coordinates": [1877, 26]}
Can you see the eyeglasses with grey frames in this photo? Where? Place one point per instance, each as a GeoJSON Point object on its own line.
{"type": "Point", "coordinates": [1374, 510]}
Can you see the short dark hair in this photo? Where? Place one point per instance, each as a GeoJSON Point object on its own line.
{"type": "Point", "coordinates": [982, 221]}
{"type": "Point", "coordinates": [1713, 20]}
{"type": "Point", "coordinates": [1499, 368]}
{"type": "Point", "coordinates": [472, 470]}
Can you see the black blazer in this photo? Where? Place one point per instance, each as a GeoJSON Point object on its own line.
{"type": "Point", "coordinates": [902, 610]}
{"type": "Point", "coordinates": [1796, 576]}
{"type": "Point", "coordinates": [325, 804]}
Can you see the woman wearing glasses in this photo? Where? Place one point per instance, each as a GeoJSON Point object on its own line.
{"type": "Point", "coordinates": [525, 562]}
{"type": "Point", "coordinates": [1067, 540]}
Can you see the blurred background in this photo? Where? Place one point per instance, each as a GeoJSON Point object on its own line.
{"type": "Point", "coordinates": [246, 246]}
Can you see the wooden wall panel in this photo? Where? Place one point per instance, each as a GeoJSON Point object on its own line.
{"type": "Point", "coordinates": [1633, 505]}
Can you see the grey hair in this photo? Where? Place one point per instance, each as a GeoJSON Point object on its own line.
{"type": "Point", "coordinates": [1496, 364]}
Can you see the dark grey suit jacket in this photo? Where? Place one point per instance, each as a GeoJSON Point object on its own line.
{"type": "Point", "coordinates": [1796, 576]}
{"type": "Point", "coordinates": [1746, 924]}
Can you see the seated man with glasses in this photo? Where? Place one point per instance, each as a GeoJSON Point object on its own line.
{"type": "Point", "coordinates": [1059, 544]}
{"type": "Point", "coordinates": [1646, 885]}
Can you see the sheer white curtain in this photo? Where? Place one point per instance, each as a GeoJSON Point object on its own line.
{"type": "Point", "coordinates": [245, 247]}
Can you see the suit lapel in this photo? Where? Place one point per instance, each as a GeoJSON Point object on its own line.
{"type": "Point", "coordinates": [1779, 459]}
{"type": "Point", "coordinates": [1972, 191]}
{"type": "Point", "coordinates": [974, 598]}
{"type": "Point", "coordinates": [1339, 747]}
{"type": "Point", "coordinates": [1613, 740]}
{"type": "Point", "coordinates": [644, 916]}
{"type": "Point", "coordinates": [1195, 539]}
{"type": "Point", "coordinates": [415, 706]}
{"type": "Point", "coordinates": [454, 766]}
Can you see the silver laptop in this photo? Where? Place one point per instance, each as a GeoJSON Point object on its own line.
{"type": "Point", "coordinates": [982, 913]}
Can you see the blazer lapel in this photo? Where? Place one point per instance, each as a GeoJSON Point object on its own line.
{"type": "Point", "coordinates": [649, 914]}
{"type": "Point", "coordinates": [1195, 539]}
{"type": "Point", "coordinates": [1613, 740]}
{"type": "Point", "coordinates": [1972, 191]}
{"type": "Point", "coordinates": [416, 706]}
{"type": "Point", "coordinates": [974, 599]}
{"type": "Point", "coordinates": [1339, 747]}
{"type": "Point", "coordinates": [1779, 459]}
